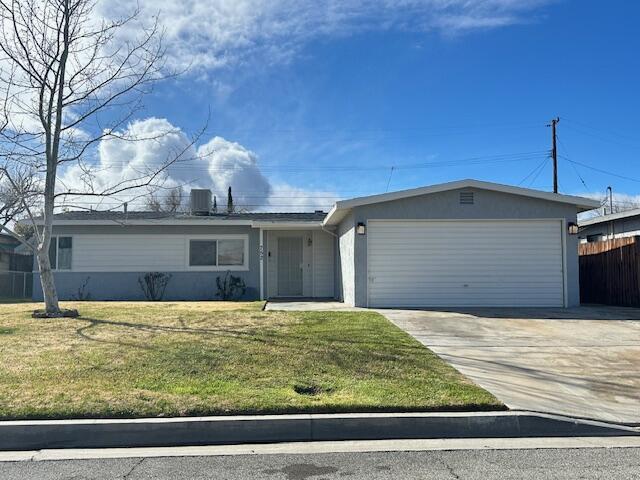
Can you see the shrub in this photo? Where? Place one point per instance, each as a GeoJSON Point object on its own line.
{"type": "Point", "coordinates": [153, 285]}
{"type": "Point", "coordinates": [83, 294]}
{"type": "Point", "coordinates": [230, 288]}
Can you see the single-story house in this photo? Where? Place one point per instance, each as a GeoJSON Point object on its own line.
{"type": "Point", "coordinates": [613, 225]}
{"type": "Point", "coordinates": [13, 255]}
{"type": "Point", "coordinates": [15, 268]}
{"type": "Point", "coordinates": [464, 243]}
{"type": "Point", "coordinates": [7, 247]}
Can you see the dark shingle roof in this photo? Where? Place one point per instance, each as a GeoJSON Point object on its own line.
{"type": "Point", "coordinates": [259, 216]}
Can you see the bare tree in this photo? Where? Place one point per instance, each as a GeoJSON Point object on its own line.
{"type": "Point", "coordinates": [152, 203]}
{"type": "Point", "coordinates": [173, 200]}
{"type": "Point", "coordinates": [12, 192]}
{"type": "Point", "coordinates": [69, 82]}
{"type": "Point", "coordinates": [620, 206]}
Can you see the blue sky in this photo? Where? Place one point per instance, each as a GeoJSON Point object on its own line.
{"type": "Point", "coordinates": [329, 112]}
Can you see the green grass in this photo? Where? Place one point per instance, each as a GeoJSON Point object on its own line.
{"type": "Point", "coordinates": [171, 359]}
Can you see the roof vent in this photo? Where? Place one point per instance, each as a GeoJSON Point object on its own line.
{"type": "Point", "coordinates": [466, 198]}
{"type": "Point", "coordinates": [200, 201]}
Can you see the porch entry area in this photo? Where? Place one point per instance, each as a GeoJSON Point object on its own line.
{"type": "Point", "coordinates": [299, 264]}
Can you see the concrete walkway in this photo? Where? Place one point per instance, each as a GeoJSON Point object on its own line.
{"type": "Point", "coordinates": [581, 362]}
{"type": "Point", "coordinates": [311, 306]}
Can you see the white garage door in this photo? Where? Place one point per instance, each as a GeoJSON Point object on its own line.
{"type": "Point", "coordinates": [465, 263]}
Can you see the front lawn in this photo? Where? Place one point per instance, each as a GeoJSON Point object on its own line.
{"type": "Point", "coordinates": [202, 358]}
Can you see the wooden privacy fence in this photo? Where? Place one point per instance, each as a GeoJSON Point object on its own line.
{"type": "Point", "coordinates": [610, 271]}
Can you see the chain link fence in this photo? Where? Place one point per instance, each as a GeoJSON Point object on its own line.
{"type": "Point", "coordinates": [16, 284]}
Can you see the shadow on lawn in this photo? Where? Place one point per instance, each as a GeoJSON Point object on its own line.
{"type": "Point", "coordinates": [150, 328]}
{"type": "Point", "coordinates": [265, 334]}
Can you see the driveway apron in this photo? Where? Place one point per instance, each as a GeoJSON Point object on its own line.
{"type": "Point", "coordinates": [582, 362]}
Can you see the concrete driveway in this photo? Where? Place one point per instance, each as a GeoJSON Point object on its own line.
{"type": "Point", "coordinates": [582, 362]}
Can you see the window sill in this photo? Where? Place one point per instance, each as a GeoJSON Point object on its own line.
{"type": "Point", "coordinates": [232, 268]}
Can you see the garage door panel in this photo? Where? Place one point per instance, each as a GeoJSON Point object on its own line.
{"type": "Point", "coordinates": [435, 242]}
{"type": "Point", "coordinates": [473, 226]}
{"type": "Point", "coordinates": [453, 289]}
{"type": "Point", "coordinates": [465, 263]}
{"type": "Point", "coordinates": [514, 265]}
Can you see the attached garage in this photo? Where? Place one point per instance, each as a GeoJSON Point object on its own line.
{"type": "Point", "coordinates": [461, 244]}
{"type": "Point", "coordinates": [425, 263]}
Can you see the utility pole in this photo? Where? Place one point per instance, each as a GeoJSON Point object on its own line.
{"type": "Point", "coordinates": [611, 223]}
{"type": "Point", "coordinates": [554, 152]}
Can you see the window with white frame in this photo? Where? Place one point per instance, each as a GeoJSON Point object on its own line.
{"type": "Point", "coordinates": [60, 253]}
{"type": "Point", "coordinates": [217, 253]}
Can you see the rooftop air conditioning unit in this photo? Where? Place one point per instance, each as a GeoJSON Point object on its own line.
{"type": "Point", "coordinates": [200, 201]}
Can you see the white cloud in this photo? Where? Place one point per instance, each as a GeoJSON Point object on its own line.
{"type": "Point", "coordinates": [230, 164]}
{"type": "Point", "coordinates": [209, 34]}
{"type": "Point", "coordinates": [215, 164]}
{"type": "Point", "coordinates": [285, 197]}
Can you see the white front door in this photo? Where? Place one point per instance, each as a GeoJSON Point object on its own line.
{"type": "Point", "coordinates": [290, 266]}
{"type": "Point", "coordinates": [465, 263]}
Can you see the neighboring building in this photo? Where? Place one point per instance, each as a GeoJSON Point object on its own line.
{"type": "Point", "coordinates": [16, 278]}
{"type": "Point", "coordinates": [8, 245]}
{"type": "Point", "coordinates": [13, 256]}
{"type": "Point", "coordinates": [606, 227]}
{"type": "Point", "coordinates": [465, 243]}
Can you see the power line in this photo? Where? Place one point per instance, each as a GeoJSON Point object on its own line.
{"type": "Point", "coordinates": [533, 180]}
{"type": "Point", "coordinates": [535, 169]}
{"type": "Point", "coordinates": [301, 167]}
{"type": "Point", "coordinates": [422, 129]}
{"type": "Point", "coordinates": [601, 137]}
{"type": "Point", "coordinates": [251, 204]}
{"type": "Point", "coordinates": [599, 170]}
{"type": "Point", "coordinates": [575, 169]}
{"type": "Point", "coordinates": [389, 181]}
{"type": "Point", "coordinates": [603, 131]}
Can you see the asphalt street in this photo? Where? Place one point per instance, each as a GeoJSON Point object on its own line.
{"type": "Point", "coordinates": [587, 463]}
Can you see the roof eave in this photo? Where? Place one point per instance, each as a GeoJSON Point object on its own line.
{"type": "Point", "coordinates": [148, 222]}
{"type": "Point", "coordinates": [341, 208]}
{"type": "Point", "coordinates": [182, 222]}
{"type": "Point", "coordinates": [610, 218]}
{"type": "Point", "coordinates": [294, 225]}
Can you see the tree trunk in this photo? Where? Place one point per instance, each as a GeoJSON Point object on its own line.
{"type": "Point", "coordinates": [46, 280]}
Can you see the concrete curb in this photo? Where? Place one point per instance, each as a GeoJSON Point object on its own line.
{"type": "Point", "coordinates": [161, 432]}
